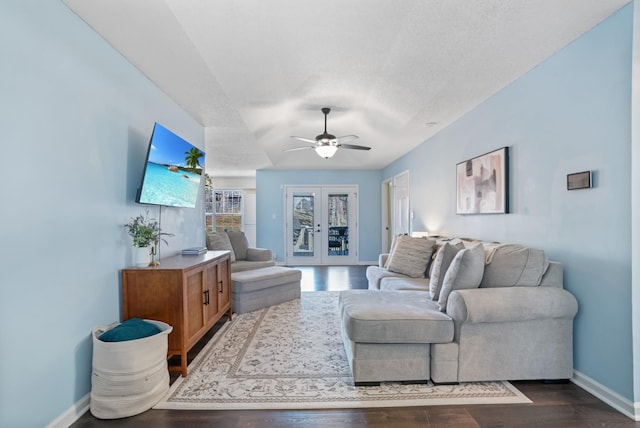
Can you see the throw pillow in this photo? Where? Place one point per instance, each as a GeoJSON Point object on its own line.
{"type": "Point", "coordinates": [131, 329]}
{"type": "Point", "coordinates": [440, 241]}
{"type": "Point", "coordinates": [411, 256]}
{"type": "Point", "coordinates": [514, 265]}
{"type": "Point", "coordinates": [439, 267]}
{"type": "Point", "coordinates": [465, 272]}
{"type": "Point", "coordinates": [220, 242]}
{"type": "Point", "coordinates": [239, 243]}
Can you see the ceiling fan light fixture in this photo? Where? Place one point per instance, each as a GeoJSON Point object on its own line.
{"type": "Point", "coordinates": [326, 151]}
{"type": "Point", "coordinates": [327, 144]}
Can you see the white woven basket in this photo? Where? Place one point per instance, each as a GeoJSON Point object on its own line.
{"type": "Point", "coordinates": [131, 376]}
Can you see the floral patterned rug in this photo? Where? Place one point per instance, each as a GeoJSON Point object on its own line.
{"type": "Point", "coordinates": [290, 356]}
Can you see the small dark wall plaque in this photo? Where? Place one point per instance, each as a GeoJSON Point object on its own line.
{"type": "Point", "coordinates": [579, 180]}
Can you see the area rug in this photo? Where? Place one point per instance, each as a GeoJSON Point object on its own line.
{"type": "Point", "coordinates": [290, 356]}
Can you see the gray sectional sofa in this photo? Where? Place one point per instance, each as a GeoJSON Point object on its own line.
{"type": "Point", "coordinates": [454, 310]}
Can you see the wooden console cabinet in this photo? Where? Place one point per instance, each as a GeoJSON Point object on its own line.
{"type": "Point", "coordinates": [190, 293]}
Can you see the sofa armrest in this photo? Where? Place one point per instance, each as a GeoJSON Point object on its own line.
{"type": "Point", "coordinates": [258, 254]}
{"type": "Point", "coordinates": [495, 305]}
{"type": "Point", "coordinates": [382, 259]}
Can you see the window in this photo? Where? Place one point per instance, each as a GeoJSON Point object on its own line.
{"type": "Point", "coordinates": [227, 210]}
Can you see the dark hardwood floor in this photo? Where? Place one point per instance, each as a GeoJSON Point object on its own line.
{"type": "Point", "coordinates": [554, 405]}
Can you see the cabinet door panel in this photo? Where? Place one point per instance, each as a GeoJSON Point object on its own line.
{"type": "Point", "coordinates": [224, 289]}
{"type": "Point", "coordinates": [155, 295]}
{"type": "Point", "coordinates": [211, 285]}
{"type": "Point", "coordinates": [195, 308]}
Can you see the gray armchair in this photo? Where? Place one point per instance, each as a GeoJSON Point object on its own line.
{"type": "Point", "coordinates": [243, 257]}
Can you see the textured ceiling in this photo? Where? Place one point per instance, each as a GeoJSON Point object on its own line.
{"type": "Point", "coordinates": [394, 72]}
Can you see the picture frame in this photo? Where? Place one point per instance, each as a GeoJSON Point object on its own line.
{"type": "Point", "coordinates": [482, 184]}
{"type": "Point", "coordinates": [579, 180]}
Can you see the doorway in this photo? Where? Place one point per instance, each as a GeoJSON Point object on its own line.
{"type": "Point", "coordinates": [401, 204]}
{"type": "Point", "coordinates": [396, 213]}
{"type": "Point", "coordinates": [321, 225]}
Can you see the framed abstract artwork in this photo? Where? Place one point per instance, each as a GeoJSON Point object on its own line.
{"type": "Point", "coordinates": [482, 184]}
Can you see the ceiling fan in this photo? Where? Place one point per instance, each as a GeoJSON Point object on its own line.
{"type": "Point", "coordinates": [326, 144]}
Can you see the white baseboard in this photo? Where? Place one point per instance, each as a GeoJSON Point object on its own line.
{"type": "Point", "coordinates": [72, 414]}
{"type": "Point", "coordinates": [612, 398]}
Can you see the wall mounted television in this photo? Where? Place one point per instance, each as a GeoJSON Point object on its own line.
{"type": "Point", "coordinates": [172, 172]}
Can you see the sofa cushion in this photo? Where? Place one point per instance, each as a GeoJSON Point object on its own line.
{"type": "Point", "coordinates": [244, 265]}
{"type": "Point", "coordinates": [411, 256]}
{"type": "Point", "coordinates": [239, 243]}
{"type": "Point", "coordinates": [220, 242]}
{"type": "Point", "coordinates": [443, 259]}
{"type": "Point", "coordinates": [375, 274]}
{"type": "Point", "coordinates": [465, 272]}
{"type": "Point", "coordinates": [393, 317]}
{"type": "Point", "coordinates": [514, 265]}
{"type": "Point", "coordinates": [404, 283]}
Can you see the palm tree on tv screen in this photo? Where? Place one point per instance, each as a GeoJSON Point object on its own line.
{"type": "Point", "coordinates": [192, 158]}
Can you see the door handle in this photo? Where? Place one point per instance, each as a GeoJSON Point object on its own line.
{"type": "Point", "coordinates": [220, 289]}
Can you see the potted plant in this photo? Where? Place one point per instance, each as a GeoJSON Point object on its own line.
{"type": "Point", "coordinates": [146, 235]}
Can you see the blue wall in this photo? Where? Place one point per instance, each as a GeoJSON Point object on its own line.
{"type": "Point", "coordinates": [569, 114]}
{"type": "Point", "coordinates": [270, 205]}
{"type": "Point", "coordinates": [76, 121]}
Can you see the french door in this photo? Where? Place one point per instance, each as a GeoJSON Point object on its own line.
{"type": "Point", "coordinates": [321, 225]}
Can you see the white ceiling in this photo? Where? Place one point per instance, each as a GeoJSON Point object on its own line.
{"type": "Point", "coordinates": [394, 72]}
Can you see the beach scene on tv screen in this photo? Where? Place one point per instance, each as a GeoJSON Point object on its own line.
{"type": "Point", "coordinates": [173, 171]}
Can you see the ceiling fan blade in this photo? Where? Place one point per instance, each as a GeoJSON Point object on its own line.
{"type": "Point", "coordinates": [353, 147]}
{"type": "Point", "coordinates": [306, 140]}
{"type": "Point", "coordinates": [299, 148]}
{"type": "Point", "coordinates": [347, 138]}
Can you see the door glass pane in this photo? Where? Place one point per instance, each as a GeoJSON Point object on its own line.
{"type": "Point", "coordinates": [303, 226]}
{"type": "Point", "coordinates": [338, 236]}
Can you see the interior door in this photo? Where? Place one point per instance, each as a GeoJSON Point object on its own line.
{"type": "Point", "coordinates": [321, 225]}
{"type": "Point", "coordinates": [386, 197]}
{"type": "Point", "coordinates": [401, 205]}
